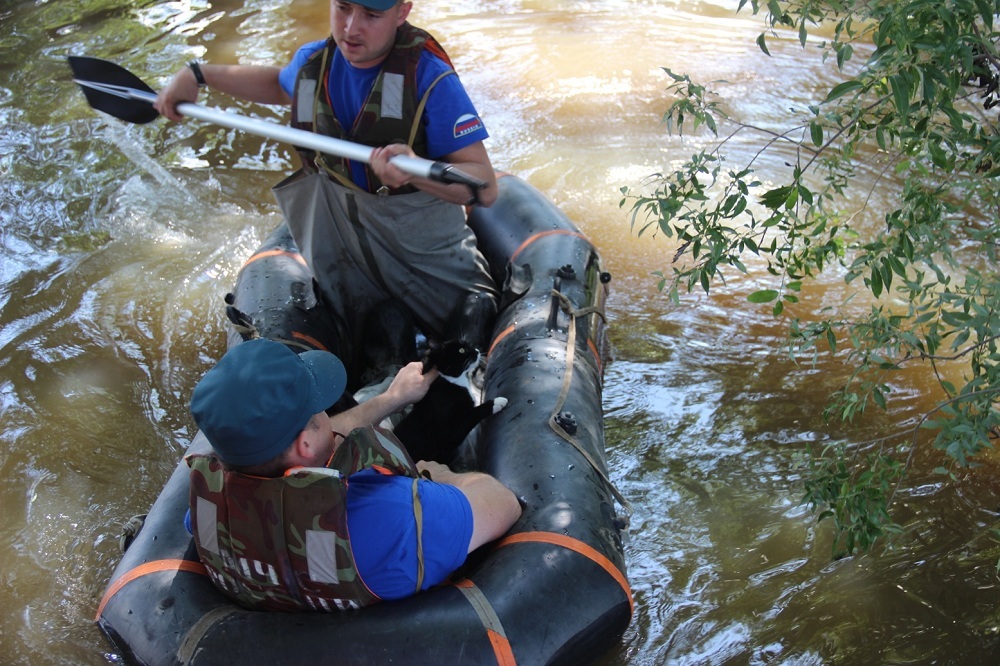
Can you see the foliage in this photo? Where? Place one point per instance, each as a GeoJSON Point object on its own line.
{"type": "Point", "coordinates": [917, 105]}
{"type": "Point", "coordinates": [857, 502]}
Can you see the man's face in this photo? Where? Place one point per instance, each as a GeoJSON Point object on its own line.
{"type": "Point", "coordinates": [325, 444]}
{"type": "Point", "coordinates": [365, 36]}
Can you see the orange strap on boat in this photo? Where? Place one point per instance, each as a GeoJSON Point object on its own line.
{"type": "Point", "coordinates": [500, 336]}
{"type": "Point", "coordinates": [309, 340]}
{"type": "Point", "coordinates": [555, 232]}
{"type": "Point", "coordinates": [490, 620]}
{"type": "Point", "coordinates": [148, 568]}
{"type": "Point", "coordinates": [576, 546]}
{"type": "Point", "coordinates": [275, 253]}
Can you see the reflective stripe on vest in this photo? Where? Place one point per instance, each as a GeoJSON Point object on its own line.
{"type": "Point", "coordinates": [282, 543]}
{"type": "Point", "coordinates": [390, 114]}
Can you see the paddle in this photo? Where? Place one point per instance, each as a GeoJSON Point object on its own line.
{"type": "Point", "coordinates": [120, 93]}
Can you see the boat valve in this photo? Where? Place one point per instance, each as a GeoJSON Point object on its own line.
{"type": "Point", "coordinates": [567, 422]}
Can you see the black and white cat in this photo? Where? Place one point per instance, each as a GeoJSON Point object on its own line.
{"type": "Point", "coordinates": [438, 424]}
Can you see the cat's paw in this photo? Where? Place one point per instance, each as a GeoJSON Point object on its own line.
{"type": "Point", "coordinates": [498, 404]}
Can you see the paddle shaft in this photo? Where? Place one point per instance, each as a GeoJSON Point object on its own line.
{"type": "Point", "coordinates": [415, 166]}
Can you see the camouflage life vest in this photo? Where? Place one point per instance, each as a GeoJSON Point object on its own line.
{"type": "Point", "coordinates": [390, 114]}
{"type": "Point", "coordinates": [282, 544]}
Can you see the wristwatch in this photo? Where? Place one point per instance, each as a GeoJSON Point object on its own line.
{"type": "Point", "coordinates": [199, 76]}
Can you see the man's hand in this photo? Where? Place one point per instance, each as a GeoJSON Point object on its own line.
{"type": "Point", "coordinates": [391, 175]}
{"type": "Point", "coordinates": [495, 509]}
{"type": "Point", "coordinates": [182, 88]}
{"type": "Point", "coordinates": [435, 471]}
{"type": "Point", "coordinates": [473, 160]}
{"type": "Point", "coordinates": [254, 83]}
{"type": "Point", "coordinates": [409, 385]}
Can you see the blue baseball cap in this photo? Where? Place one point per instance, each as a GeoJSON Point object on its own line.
{"type": "Point", "coordinates": [378, 5]}
{"type": "Point", "coordinates": [260, 395]}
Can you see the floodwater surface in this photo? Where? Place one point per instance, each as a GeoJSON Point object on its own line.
{"type": "Point", "coordinates": [118, 243]}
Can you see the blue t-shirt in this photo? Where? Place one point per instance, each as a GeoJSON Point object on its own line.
{"type": "Point", "coordinates": [383, 531]}
{"type": "Point", "coordinates": [450, 119]}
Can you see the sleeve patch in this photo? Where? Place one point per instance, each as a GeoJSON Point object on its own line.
{"type": "Point", "coordinates": [467, 124]}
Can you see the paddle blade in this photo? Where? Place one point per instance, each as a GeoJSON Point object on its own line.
{"type": "Point", "coordinates": [102, 72]}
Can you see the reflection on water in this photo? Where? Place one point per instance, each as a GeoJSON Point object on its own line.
{"type": "Point", "coordinates": [117, 244]}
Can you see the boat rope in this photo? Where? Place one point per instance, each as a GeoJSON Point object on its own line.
{"type": "Point", "coordinates": [491, 621]}
{"type": "Point", "coordinates": [247, 330]}
{"type": "Point", "coordinates": [567, 307]}
{"type": "Point", "coordinates": [241, 323]}
{"type": "Point", "coordinates": [251, 333]}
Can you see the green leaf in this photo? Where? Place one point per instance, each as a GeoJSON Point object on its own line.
{"type": "Point", "coordinates": [844, 54]}
{"type": "Point", "coordinates": [986, 12]}
{"type": "Point", "coordinates": [762, 44]}
{"type": "Point", "coordinates": [879, 398]}
{"type": "Point", "coordinates": [955, 319]}
{"type": "Point", "coordinates": [876, 283]}
{"type": "Point", "coordinates": [763, 296]}
{"type": "Point", "coordinates": [816, 133]}
{"type": "Point", "coordinates": [901, 94]}
{"type": "Point", "coordinates": [776, 198]}
{"type": "Point", "coordinates": [842, 89]}
{"type": "Point", "coordinates": [793, 198]}
{"type": "Point", "coordinates": [886, 272]}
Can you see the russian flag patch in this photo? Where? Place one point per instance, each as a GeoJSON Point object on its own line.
{"type": "Point", "coordinates": [467, 124]}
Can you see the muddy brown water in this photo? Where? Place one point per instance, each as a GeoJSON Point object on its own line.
{"type": "Point", "coordinates": [117, 244]}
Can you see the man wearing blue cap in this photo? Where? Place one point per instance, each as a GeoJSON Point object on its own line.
{"type": "Point", "coordinates": [292, 514]}
{"type": "Point", "coordinates": [371, 232]}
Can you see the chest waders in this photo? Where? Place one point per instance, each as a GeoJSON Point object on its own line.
{"type": "Point", "coordinates": [364, 247]}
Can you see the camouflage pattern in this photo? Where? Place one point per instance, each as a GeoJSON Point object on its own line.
{"type": "Point", "coordinates": [282, 544]}
{"type": "Point", "coordinates": [370, 128]}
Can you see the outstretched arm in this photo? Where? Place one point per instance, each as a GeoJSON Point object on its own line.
{"type": "Point", "coordinates": [495, 509]}
{"type": "Point", "coordinates": [250, 82]}
{"type": "Point", "coordinates": [407, 387]}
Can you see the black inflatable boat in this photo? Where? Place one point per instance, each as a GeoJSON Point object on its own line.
{"type": "Point", "coordinates": [553, 591]}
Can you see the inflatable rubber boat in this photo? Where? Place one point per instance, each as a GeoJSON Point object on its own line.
{"type": "Point", "coordinates": [552, 591]}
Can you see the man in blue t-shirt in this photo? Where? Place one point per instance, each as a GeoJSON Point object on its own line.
{"type": "Point", "coordinates": [262, 409]}
{"type": "Point", "coordinates": [374, 232]}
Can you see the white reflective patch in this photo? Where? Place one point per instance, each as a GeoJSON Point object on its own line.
{"type": "Point", "coordinates": [321, 471]}
{"type": "Point", "coordinates": [206, 518]}
{"type": "Point", "coordinates": [321, 555]}
{"type": "Point", "coordinates": [392, 96]}
{"type": "Point", "coordinates": [392, 448]}
{"type": "Point", "coordinates": [306, 96]}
